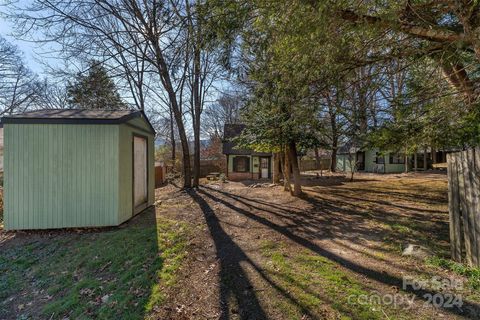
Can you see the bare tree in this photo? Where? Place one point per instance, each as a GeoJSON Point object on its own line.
{"type": "Point", "coordinates": [150, 32]}
{"type": "Point", "coordinates": [52, 96]}
{"type": "Point", "coordinates": [19, 87]}
{"type": "Point", "coordinates": [202, 73]}
{"type": "Point", "coordinates": [225, 110]}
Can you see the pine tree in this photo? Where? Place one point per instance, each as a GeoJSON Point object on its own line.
{"type": "Point", "coordinates": [94, 90]}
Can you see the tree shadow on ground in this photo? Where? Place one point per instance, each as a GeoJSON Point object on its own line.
{"type": "Point", "coordinates": [306, 238]}
{"type": "Point", "coordinates": [341, 219]}
{"type": "Point", "coordinates": [350, 216]}
{"type": "Point", "coordinates": [409, 224]}
{"type": "Point", "coordinates": [234, 283]}
{"type": "Point", "coordinates": [237, 293]}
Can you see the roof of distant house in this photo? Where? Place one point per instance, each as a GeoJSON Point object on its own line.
{"type": "Point", "coordinates": [231, 131]}
{"type": "Point", "coordinates": [76, 116]}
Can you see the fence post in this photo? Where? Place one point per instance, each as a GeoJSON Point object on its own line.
{"type": "Point", "coordinates": [474, 164]}
{"type": "Point", "coordinates": [456, 243]}
{"type": "Point", "coordinates": [463, 208]}
{"type": "Point", "coordinates": [468, 207]}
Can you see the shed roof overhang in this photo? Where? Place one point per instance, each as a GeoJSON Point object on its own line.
{"type": "Point", "coordinates": [76, 116]}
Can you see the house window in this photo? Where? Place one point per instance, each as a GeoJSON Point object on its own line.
{"type": "Point", "coordinates": [241, 164]}
{"type": "Point", "coordinates": [397, 158]}
{"type": "Point", "coordinates": [380, 159]}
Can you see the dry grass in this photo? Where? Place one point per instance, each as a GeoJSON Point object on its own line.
{"type": "Point", "coordinates": [258, 253]}
{"type": "Point", "coordinates": [265, 254]}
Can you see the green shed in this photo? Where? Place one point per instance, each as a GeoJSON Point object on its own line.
{"type": "Point", "coordinates": [74, 168]}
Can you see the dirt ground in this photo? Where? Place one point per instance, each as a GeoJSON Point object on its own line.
{"type": "Point", "coordinates": [259, 253]}
{"type": "Point", "coordinates": [246, 251]}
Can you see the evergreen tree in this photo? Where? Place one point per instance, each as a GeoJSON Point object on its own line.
{"type": "Point", "coordinates": [94, 90]}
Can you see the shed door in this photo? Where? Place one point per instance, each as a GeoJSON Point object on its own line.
{"type": "Point", "coordinates": [139, 173]}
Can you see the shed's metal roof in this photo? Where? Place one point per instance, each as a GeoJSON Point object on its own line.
{"type": "Point", "coordinates": [72, 114]}
{"type": "Point", "coordinates": [76, 116]}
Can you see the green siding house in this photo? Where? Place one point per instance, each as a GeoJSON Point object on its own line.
{"type": "Point", "coordinates": [244, 164]}
{"type": "Point", "coordinates": [76, 168]}
{"type": "Point", "coordinates": [371, 160]}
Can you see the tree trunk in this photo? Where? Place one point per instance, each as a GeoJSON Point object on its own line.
{"type": "Point", "coordinates": [333, 160]}
{"type": "Point", "coordinates": [172, 139]}
{"type": "Point", "coordinates": [415, 162]}
{"type": "Point", "coordinates": [406, 161]}
{"type": "Point", "coordinates": [425, 159]}
{"type": "Point", "coordinates": [196, 154]}
{"type": "Point", "coordinates": [457, 76]}
{"type": "Point", "coordinates": [353, 166]}
{"type": "Point", "coordinates": [287, 184]}
{"type": "Point", "coordinates": [454, 72]}
{"type": "Point", "coordinates": [176, 108]}
{"type": "Point", "coordinates": [187, 176]}
{"type": "Point", "coordinates": [333, 124]}
{"type": "Point", "coordinates": [197, 103]}
{"type": "Point", "coordinates": [275, 171]}
{"type": "Point", "coordinates": [317, 159]}
{"type": "Point", "coordinates": [293, 158]}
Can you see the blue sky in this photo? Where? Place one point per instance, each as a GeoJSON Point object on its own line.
{"type": "Point", "coordinates": [32, 51]}
{"type": "Point", "coordinates": [29, 49]}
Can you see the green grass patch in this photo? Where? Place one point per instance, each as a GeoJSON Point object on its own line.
{"type": "Point", "coordinates": [314, 286]}
{"type": "Point", "coordinates": [471, 273]}
{"type": "Point", "coordinates": [401, 229]}
{"type": "Point", "coordinates": [115, 274]}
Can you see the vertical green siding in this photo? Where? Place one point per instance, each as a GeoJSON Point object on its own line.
{"type": "Point", "coordinates": [255, 167]}
{"type": "Point", "coordinates": [125, 166]}
{"type": "Point", "coordinates": [370, 158]}
{"type": "Point", "coordinates": [389, 167]}
{"type": "Point", "coordinates": [343, 163]}
{"type": "Point", "coordinates": [60, 175]}
{"type": "Point", "coordinates": [395, 168]}
{"type": "Point", "coordinates": [340, 162]}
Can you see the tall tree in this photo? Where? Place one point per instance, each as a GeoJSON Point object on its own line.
{"type": "Point", "coordinates": [94, 90]}
{"type": "Point", "coordinates": [19, 87]}
{"type": "Point", "coordinates": [226, 110]}
{"type": "Point", "coordinates": [203, 71]}
{"type": "Point", "coordinates": [446, 27]}
{"type": "Point", "coordinates": [53, 96]}
{"type": "Point", "coordinates": [371, 47]}
{"type": "Point", "coordinates": [151, 31]}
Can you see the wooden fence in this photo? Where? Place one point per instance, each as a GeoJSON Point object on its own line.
{"type": "Point", "coordinates": [160, 172]}
{"type": "Point", "coordinates": [206, 167]}
{"type": "Point", "coordinates": [311, 164]}
{"type": "Point", "coordinates": [464, 205]}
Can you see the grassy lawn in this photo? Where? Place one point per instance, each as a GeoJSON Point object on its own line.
{"type": "Point", "coordinates": [406, 210]}
{"type": "Point", "coordinates": [336, 253]}
{"type": "Point", "coordinates": [333, 254]}
{"type": "Point", "coordinates": [113, 274]}
{"type": "Point", "coordinates": [317, 288]}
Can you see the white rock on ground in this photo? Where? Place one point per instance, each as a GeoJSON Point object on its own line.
{"type": "Point", "coordinates": [417, 251]}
